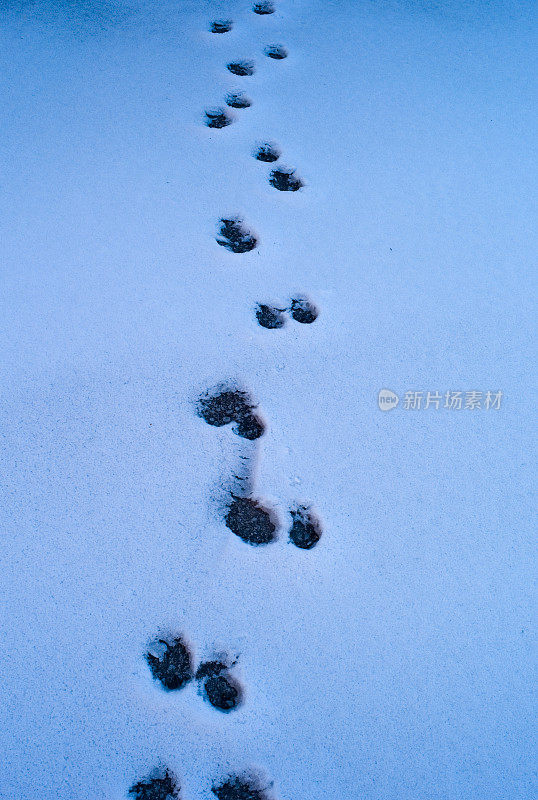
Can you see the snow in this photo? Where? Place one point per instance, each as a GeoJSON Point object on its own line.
{"type": "Point", "coordinates": [393, 661]}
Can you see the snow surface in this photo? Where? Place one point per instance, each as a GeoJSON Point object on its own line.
{"type": "Point", "coordinates": [394, 660]}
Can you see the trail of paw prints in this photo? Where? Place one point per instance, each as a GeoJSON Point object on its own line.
{"type": "Point", "coordinates": [218, 118]}
{"type": "Point", "coordinates": [245, 515]}
{"type": "Point", "coordinates": [171, 664]}
{"type": "Point", "coordinates": [163, 785]}
{"type": "Point", "coordinates": [282, 178]}
{"type": "Point", "coordinates": [300, 309]}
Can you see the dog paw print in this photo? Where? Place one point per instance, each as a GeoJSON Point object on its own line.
{"type": "Point", "coordinates": [217, 118]}
{"type": "Point", "coordinates": [285, 180]}
{"type": "Point", "coordinates": [267, 152]}
{"type": "Point", "coordinates": [160, 787]}
{"type": "Point", "coordinates": [276, 51]}
{"type": "Point", "coordinates": [235, 237]}
{"type": "Point", "coordinates": [238, 100]}
{"type": "Point", "coordinates": [264, 8]}
{"type": "Point", "coordinates": [305, 531]}
{"type": "Point", "coordinates": [219, 687]}
{"type": "Point", "coordinates": [270, 317]}
{"type": "Point", "coordinates": [232, 406]}
{"type": "Point", "coordinates": [221, 26]}
{"type": "Point", "coordinates": [301, 310]}
{"type": "Point", "coordinates": [240, 787]}
{"type": "Point", "coordinates": [250, 520]}
{"type": "Point", "coordinates": [171, 663]}
{"type": "Point", "coordinates": [241, 68]}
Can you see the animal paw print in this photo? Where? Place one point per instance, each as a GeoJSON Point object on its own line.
{"type": "Point", "coordinates": [305, 531]}
{"type": "Point", "coordinates": [241, 68]}
{"type": "Point", "coordinates": [164, 786]}
{"type": "Point", "coordinates": [270, 317]}
{"type": "Point", "coordinates": [219, 686]}
{"type": "Point", "coordinates": [221, 26]}
{"type": "Point", "coordinates": [276, 51]}
{"type": "Point", "coordinates": [160, 787]}
{"type": "Point", "coordinates": [235, 237]}
{"type": "Point", "coordinates": [173, 669]}
{"type": "Point", "coordinates": [282, 178]}
{"type": "Point", "coordinates": [217, 118]}
{"type": "Point", "coordinates": [240, 787]}
{"type": "Point", "coordinates": [285, 180]}
{"type": "Point", "coordinates": [232, 406]}
{"type": "Point", "coordinates": [267, 152]}
{"type": "Point", "coordinates": [301, 310]}
{"type": "Point", "coordinates": [172, 665]}
{"type": "Point", "coordinates": [238, 100]}
{"type": "Point", "coordinates": [263, 8]}
{"type": "Point", "coordinates": [250, 520]}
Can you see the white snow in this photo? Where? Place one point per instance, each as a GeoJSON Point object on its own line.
{"type": "Point", "coordinates": [394, 660]}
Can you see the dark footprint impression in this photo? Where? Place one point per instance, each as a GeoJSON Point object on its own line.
{"type": "Point", "coordinates": [235, 237]}
{"type": "Point", "coordinates": [276, 51]}
{"type": "Point", "coordinates": [232, 405]}
{"type": "Point", "coordinates": [270, 317]}
{"type": "Point", "coordinates": [285, 180]}
{"type": "Point", "coordinates": [238, 100]}
{"type": "Point", "coordinates": [157, 788]}
{"type": "Point", "coordinates": [242, 68]}
{"type": "Point", "coordinates": [305, 531]}
{"type": "Point", "coordinates": [263, 8]}
{"type": "Point", "coordinates": [239, 787]}
{"type": "Point", "coordinates": [249, 520]}
{"type": "Point", "coordinates": [267, 152]}
{"type": "Point", "coordinates": [220, 688]}
{"type": "Point", "coordinates": [302, 310]}
{"type": "Point", "coordinates": [173, 666]}
{"type": "Point", "coordinates": [221, 26]}
{"type": "Point", "coordinates": [217, 118]}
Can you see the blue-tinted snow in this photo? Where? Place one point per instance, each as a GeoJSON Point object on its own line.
{"type": "Point", "coordinates": [393, 661]}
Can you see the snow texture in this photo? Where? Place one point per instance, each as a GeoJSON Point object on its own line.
{"type": "Point", "coordinates": [393, 660]}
